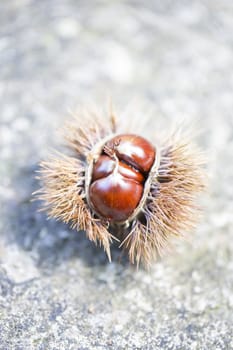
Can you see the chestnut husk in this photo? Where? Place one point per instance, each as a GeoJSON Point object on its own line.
{"type": "Point", "coordinates": [168, 207]}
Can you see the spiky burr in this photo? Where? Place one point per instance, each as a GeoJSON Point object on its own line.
{"type": "Point", "coordinates": [117, 185]}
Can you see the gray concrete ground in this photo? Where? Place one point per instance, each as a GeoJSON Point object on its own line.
{"type": "Point", "coordinates": [57, 290]}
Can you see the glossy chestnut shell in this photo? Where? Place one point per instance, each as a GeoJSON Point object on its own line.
{"type": "Point", "coordinates": [118, 176]}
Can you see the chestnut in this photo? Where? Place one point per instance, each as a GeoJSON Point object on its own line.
{"type": "Point", "coordinates": [118, 176]}
{"type": "Point", "coordinates": [119, 186]}
{"type": "Point", "coordinates": [134, 150]}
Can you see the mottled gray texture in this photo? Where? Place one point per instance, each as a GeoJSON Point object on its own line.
{"type": "Point", "coordinates": [57, 290]}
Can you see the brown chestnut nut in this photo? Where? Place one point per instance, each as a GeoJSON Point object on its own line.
{"type": "Point", "coordinates": [118, 176]}
{"type": "Point", "coordinates": [115, 197]}
{"type": "Point", "coordinates": [134, 150]}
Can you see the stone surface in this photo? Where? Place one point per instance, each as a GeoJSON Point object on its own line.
{"type": "Point", "coordinates": [57, 290]}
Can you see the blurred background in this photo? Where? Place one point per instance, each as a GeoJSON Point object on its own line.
{"type": "Point", "coordinates": [57, 290]}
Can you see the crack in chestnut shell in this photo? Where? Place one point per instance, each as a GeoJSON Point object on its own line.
{"type": "Point", "coordinates": [119, 175]}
